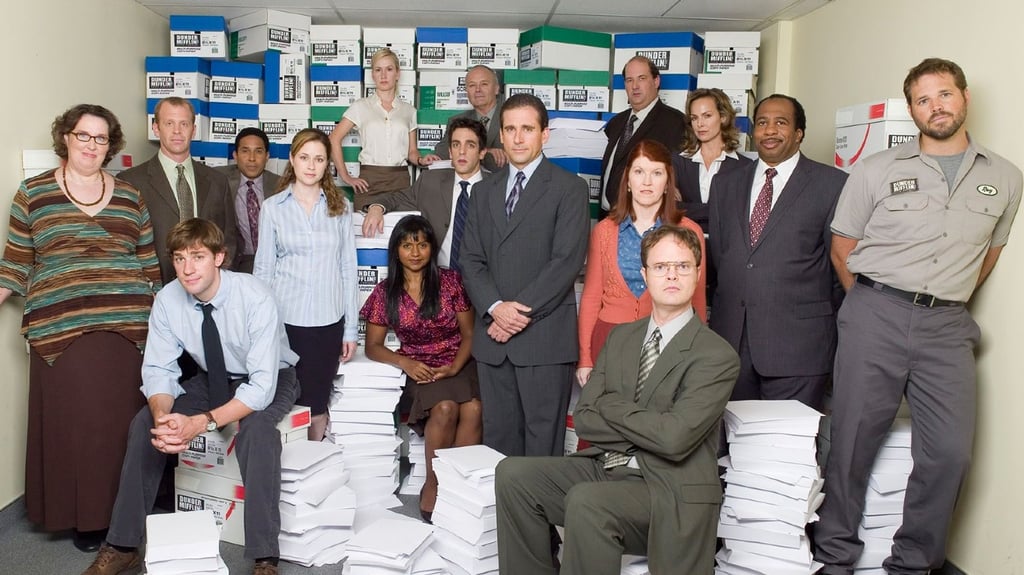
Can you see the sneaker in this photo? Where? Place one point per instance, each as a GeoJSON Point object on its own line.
{"type": "Point", "coordinates": [110, 561]}
{"type": "Point", "coordinates": [264, 568]}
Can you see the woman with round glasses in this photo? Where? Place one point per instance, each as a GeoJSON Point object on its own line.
{"type": "Point", "coordinates": [614, 291]}
{"type": "Point", "coordinates": [80, 250]}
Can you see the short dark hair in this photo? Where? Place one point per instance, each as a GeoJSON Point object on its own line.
{"type": "Point", "coordinates": [934, 66]}
{"type": "Point", "coordinates": [650, 65]}
{"type": "Point", "coordinates": [173, 101]}
{"type": "Point", "coordinates": [250, 131]}
{"type": "Point", "coordinates": [65, 123]}
{"type": "Point", "coordinates": [523, 100]}
{"type": "Point", "coordinates": [195, 232]}
{"type": "Point", "coordinates": [799, 116]}
{"type": "Point", "coordinates": [684, 236]}
{"type": "Point", "coordinates": [470, 124]}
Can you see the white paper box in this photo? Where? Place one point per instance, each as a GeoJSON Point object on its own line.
{"type": "Point", "coordinates": [335, 45]}
{"type": "Point", "coordinates": [200, 36]}
{"type": "Point", "coordinates": [286, 78]}
{"type": "Point", "coordinates": [255, 33]}
{"type": "Point", "coordinates": [865, 129]}
{"type": "Point", "coordinates": [496, 48]}
{"type": "Point", "coordinates": [282, 121]}
{"type": "Point", "coordinates": [433, 56]}
{"type": "Point", "coordinates": [406, 86]}
{"type": "Point", "coordinates": [728, 81]}
{"type": "Point", "coordinates": [191, 535]}
{"type": "Point", "coordinates": [401, 41]}
{"type": "Point", "coordinates": [194, 490]}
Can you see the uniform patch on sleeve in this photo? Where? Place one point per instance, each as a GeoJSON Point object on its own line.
{"type": "Point", "coordinates": [987, 190]}
{"type": "Point", "coordinates": [901, 186]}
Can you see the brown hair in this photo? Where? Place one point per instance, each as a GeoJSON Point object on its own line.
{"type": "Point", "coordinates": [934, 66]}
{"type": "Point", "coordinates": [173, 101]}
{"type": "Point", "coordinates": [656, 152]}
{"type": "Point", "coordinates": [684, 236]}
{"type": "Point", "coordinates": [195, 232]}
{"type": "Point", "coordinates": [65, 123]}
{"type": "Point", "coordinates": [730, 133]}
{"type": "Point", "coordinates": [335, 199]}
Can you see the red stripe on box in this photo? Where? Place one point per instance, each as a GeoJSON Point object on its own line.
{"type": "Point", "coordinates": [231, 509]}
{"type": "Point", "coordinates": [300, 419]}
{"type": "Point", "coordinates": [240, 492]}
{"type": "Point", "coordinates": [840, 163]}
{"type": "Point", "coordinates": [877, 111]}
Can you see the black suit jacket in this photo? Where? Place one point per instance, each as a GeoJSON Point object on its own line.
{"type": "Point", "coordinates": [784, 290]}
{"type": "Point", "coordinates": [430, 194]}
{"type": "Point", "coordinates": [214, 202]}
{"type": "Point", "coordinates": [664, 124]}
{"type": "Point", "coordinates": [688, 183]}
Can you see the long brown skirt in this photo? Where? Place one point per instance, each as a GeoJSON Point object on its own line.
{"type": "Point", "coordinates": [79, 410]}
{"type": "Point", "coordinates": [382, 180]}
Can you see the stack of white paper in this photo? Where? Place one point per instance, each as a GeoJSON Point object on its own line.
{"type": "Point", "coordinates": [391, 547]}
{"type": "Point", "coordinates": [417, 454]}
{"type": "Point", "coordinates": [572, 138]}
{"type": "Point", "coordinates": [634, 565]}
{"type": "Point", "coordinates": [184, 542]}
{"type": "Point", "coordinates": [465, 514]}
{"type": "Point", "coordinates": [380, 240]}
{"type": "Point", "coordinates": [883, 502]}
{"type": "Point", "coordinates": [317, 508]}
{"type": "Point", "coordinates": [362, 421]}
{"type": "Point", "coordinates": [773, 488]}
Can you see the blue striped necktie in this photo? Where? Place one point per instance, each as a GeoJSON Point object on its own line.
{"type": "Point", "coordinates": [513, 196]}
{"type": "Point", "coordinates": [459, 225]}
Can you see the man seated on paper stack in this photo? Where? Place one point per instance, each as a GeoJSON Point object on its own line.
{"type": "Point", "coordinates": [651, 410]}
{"type": "Point", "coordinates": [228, 323]}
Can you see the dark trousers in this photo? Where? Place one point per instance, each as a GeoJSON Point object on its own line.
{"type": "Point", "coordinates": [807, 389]}
{"type": "Point", "coordinates": [888, 349]}
{"type": "Point", "coordinates": [524, 407]}
{"type": "Point", "coordinates": [259, 459]}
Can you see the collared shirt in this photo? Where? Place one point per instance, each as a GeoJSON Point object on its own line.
{"type": "Point", "coordinates": [527, 171]}
{"type": "Point", "coordinates": [783, 171]}
{"type": "Point", "coordinates": [171, 171]}
{"type": "Point", "coordinates": [629, 254]}
{"type": "Point", "coordinates": [242, 209]}
{"type": "Point", "coordinates": [251, 333]}
{"type": "Point", "coordinates": [309, 262]}
{"type": "Point", "coordinates": [444, 254]}
{"type": "Point", "coordinates": [706, 173]}
{"type": "Point", "coordinates": [383, 134]}
{"type": "Point", "coordinates": [913, 232]}
{"type": "Point", "coordinates": [641, 115]}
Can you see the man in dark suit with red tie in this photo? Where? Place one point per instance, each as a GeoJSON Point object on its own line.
{"type": "Point", "coordinates": [251, 183]}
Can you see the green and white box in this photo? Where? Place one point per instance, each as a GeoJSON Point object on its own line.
{"type": "Point", "coordinates": [564, 49]}
{"type": "Point", "coordinates": [584, 91]}
{"type": "Point", "coordinates": [540, 83]}
{"type": "Point", "coordinates": [443, 90]}
{"type": "Point", "coordinates": [253, 34]}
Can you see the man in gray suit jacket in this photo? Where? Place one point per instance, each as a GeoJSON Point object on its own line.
{"type": "Point", "coordinates": [769, 238]}
{"type": "Point", "coordinates": [649, 485]}
{"type": "Point", "coordinates": [524, 245]}
{"type": "Point", "coordinates": [175, 187]}
{"type": "Point", "coordinates": [484, 92]}
{"type": "Point", "coordinates": [251, 183]}
{"type": "Point", "coordinates": [438, 194]}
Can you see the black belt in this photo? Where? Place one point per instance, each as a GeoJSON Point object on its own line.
{"type": "Point", "coordinates": [916, 298]}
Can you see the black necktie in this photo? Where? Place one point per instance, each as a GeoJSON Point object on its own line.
{"type": "Point", "coordinates": [216, 372]}
{"type": "Point", "coordinates": [459, 225]}
{"type": "Point", "coordinates": [627, 133]}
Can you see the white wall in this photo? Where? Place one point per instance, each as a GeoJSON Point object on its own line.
{"type": "Point", "coordinates": [854, 51]}
{"type": "Point", "coordinates": [58, 53]}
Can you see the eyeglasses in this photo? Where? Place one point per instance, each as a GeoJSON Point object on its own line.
{"type": "Point", "coordinates": [83, 137]}
{"type": "Point", "coordinates": [661, 269]}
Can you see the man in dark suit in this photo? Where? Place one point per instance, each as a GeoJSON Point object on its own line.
{"type": "Point", "coordinates": [175, 187]}
{"type": "Point", "coordinates": [769, 238]}
{"type": "Point", "coordinates": [524, 245]}
{"type": "Point", "coordinates": [484, 92]}
{"type": "Point", "coordinates": [252, 184]}
{"type": "Point", "coordinates": [646, 118]}
{"type": "Point", "coordinates": [649, 485]}
{"type": "Point", "coordinates": [441, 195]}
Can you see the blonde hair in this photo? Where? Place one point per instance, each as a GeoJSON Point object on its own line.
{"type": "Point", "coordinates": [384, 53]}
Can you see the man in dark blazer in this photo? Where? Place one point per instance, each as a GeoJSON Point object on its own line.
{"type": "Point", "coordinates": [654, 120]}
{"type": "Point", "coordinates": [649, 485]}
{"type": "Point", "coordinates": [172, 177]}
{"type": "Point", "coordinates": [484, 92]}
{"type": "Point", "coordinates": [769, 237]}
{"type": "Point", "coordinates": [436, 193]}
{"type": "Point", "coordinates": [524, 246]}
{"type": "Point", "coordinates": [251, 153]}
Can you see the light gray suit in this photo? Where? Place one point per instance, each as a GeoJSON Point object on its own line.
{"type": "Point", "coordinates": [243, 261]}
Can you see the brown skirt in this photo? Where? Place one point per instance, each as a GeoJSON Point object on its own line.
{"type": "Point", "coordinates": [79, 410]}
{"type": "Point", "coordinates": [460, 388]}
{"type": "Point", "coordinates": [381, 180]}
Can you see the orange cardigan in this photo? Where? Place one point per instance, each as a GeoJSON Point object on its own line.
{"type": "Point", "coordinates": [605, 293]}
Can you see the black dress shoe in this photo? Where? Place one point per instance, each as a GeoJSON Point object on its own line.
{"type": "Point", "coordinates": [89, 541]}
{"type": "Point", "coordinates": [427, 515]}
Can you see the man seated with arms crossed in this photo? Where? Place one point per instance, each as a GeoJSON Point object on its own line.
{"type": "Point", "coordinates": [649, 485]}
{"type": "Point", "coordinates": [228, 323]}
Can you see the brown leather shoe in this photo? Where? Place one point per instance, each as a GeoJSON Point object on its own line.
{"type": "Point", "coordinates": [264, 568]}
{"type": "Point", "coordinates": [110, 561]}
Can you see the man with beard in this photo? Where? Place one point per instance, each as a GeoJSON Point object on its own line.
{"type": "Point", "coordinates": [918, 228]}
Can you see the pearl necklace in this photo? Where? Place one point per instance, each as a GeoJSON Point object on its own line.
{"type": "Point", "coordinates": [103, 192]}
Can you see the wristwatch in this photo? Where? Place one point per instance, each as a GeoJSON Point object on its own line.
{"type": "Point", "coordinates": [211, 423]}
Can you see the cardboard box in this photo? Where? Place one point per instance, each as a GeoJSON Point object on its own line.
{"type": "Point", "coordinates": [673, 92]}
{"type": "Point", "coordinates": [401, 41]}
{"type": "Point", "coordinates": [671, 52]}
{"type": "Point", "coordinates": [736, 39]}
{"type": "Point", "coordinates": [584, 91]}
{"type": "Point", "coordinates": [184, 77]}
{"type": "Point", "coordinates": [199, 36]}
{"type": "Point", "coordinates": [258, 32]}
{"type": "Point", "coordinates": [282, 121]}
{"type": "Point", "coordinates": [540, 83]}
{"type": "Point", "coordinates": [730, 60]}
{"type": "Point", "coordinates": [226, 120]}
{"type": "Point", "coordinates": [201, 108]}
{"type": "Point", "coordinates": [335, 45]}
{"type": "Point", "coordinates": [430, 127]}
{"type": "Point", "coordinates": [370, 276]}
{"type": "Point", "coordinates": [728, 82]}
{"type": "Point", "coordinates": [563, 48]}
{"type": "Point", "coordinates": [335, 85]}
{"type": "Point", "coordinates": [286, 78]}
{"type": "Point", "coordinates": [865, 129]}
{"type": "Point", "coordinates": [441, 48]}
{"type": "Point", "coordinates": [236, 82]}
{"type": "Point", "coordinates": [324, 118]}
{"type": "Point", "coordinates": [443, 90]}
{"type": "Point", "coordinates": [406, 86]}
{"type": "Point", "coordinates": [195, 491]}
{"type": "Point", "coordinates": [496, 48]}
{"type": "Point", "coordinates": [212, 154]}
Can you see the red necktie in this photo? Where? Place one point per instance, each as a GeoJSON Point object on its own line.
{"type": "Point", "coordinates": [252, 207]}
{"type": "Point", "coordinates": [762, 207]}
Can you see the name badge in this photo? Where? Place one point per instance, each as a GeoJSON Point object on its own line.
{"type": "Point", "coordinates": [902, 186]}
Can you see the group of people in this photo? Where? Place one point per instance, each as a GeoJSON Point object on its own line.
{"type": "Point", "coordinates": [712, 277]}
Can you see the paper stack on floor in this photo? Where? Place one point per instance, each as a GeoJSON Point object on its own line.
{"type": "Point", "coordinates": [317, 508]}
{"type": "Point", "coordinates": [465, 515]}
{"type": "Point", "coordinates": [634, 565]}
{"type": "Point", "coordinates": [773, 487]}
{"type": "Point", "coordinates": [390, 546]}
{"type": "Point", "coordinates": [574, 138]}
{"type": "Point", "coordinates": [363, 422]}
{"type": "Point", "coordinates": [417, 455]}
{"type": "Point", "coordinates": [184, 542]}
{"type": "Point", "coordinates": [883, 502]}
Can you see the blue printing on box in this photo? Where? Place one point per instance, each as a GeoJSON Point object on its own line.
{"type": "Point", "coordinates": [201, 108]}
{"type": "Point", "coordinates": [579, 165]}
{"type": "Point", "coordinates": [668, 82]}
{"type": "Point", "coordinates": [744, 124]}
{"type": "Point", "coordinates": [177, 64]}
{"type": "Point", "coordinates": [209, 149]}
{"type": "Point", "coordinates": [336, 74]}
{"type": "Point", "coordinates": [280, 151]}
{"type": "Point", "coordinates": [660, 40]}
{"type": "Point", "coordinates": [235, 111]}
{"type": "Point", "coordinates": [235, 69]}
{"type": "Point", "coordinates": [573, 114]}
{"type": "Point", "coordinates": [442, 35]}
{"type": "Point", "coordinates": [188, 23]}
{"type": "Point", "coordinates": [272, 72]}
{"type": "Point", "coordinates": [371, 257]}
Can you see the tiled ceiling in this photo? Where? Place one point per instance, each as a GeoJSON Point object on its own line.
{"type": "Point", "coordinates": [598, 15]}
